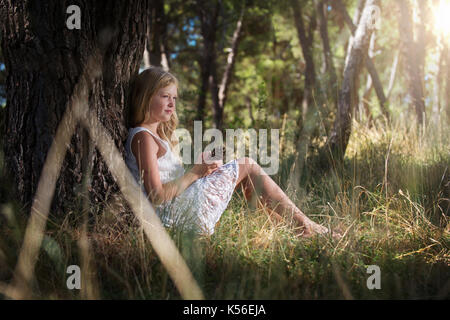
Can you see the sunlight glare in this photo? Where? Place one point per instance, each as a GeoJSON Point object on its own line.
{"type": "Point", "coordinates": [442, 18]}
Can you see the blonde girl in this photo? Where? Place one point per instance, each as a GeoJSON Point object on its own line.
{"type": "Point", "coordinates": [193, 199]}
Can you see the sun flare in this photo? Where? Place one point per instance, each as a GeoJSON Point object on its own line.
{"type": "Point", "coordinates": [442, 18]}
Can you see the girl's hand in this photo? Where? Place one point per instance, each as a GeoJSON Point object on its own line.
{"type": "Point", "coordinates": [209, 157]}
{"type": "Point", "coordinates": [207, 166]}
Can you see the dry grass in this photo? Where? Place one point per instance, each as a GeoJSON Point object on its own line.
{"type": "Point", "coordinates": [391, 203]}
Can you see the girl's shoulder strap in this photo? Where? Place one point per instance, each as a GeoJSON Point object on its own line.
{"type": "Point", "coordinates": [138, 129]}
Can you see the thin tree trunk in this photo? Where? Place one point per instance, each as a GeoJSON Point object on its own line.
{"type": "Point", "coordinates": [231, 59]}
{"type": "Point", "coordinates": [156, 52]}
{"type": "Point", "coordinates": [436, 109]}
{"type": "Point", "coordinates": [368, 62]}
{"type": "Point", "coordinates": [147, 47]}
{"type": "Point", "coordinates": [364, 103]}
{"type": "Point", "coordinates": [156, 32]}
{"type": "Point", "coordinates": [351, 22]}
{"type": "Point", "coordinates": [306, 45]}
{"type": "Point", "coordinates": [409, 49]}
{"type": "Point", "coordinates": [340, 134]}
{"type": "Point", "coordinates": [307, 123]}
{"type": "Point", "coordinates": [355, 22]}
{"type": "Point", "coordinates": [165, 51]}
{"type": "Point", "coordinates": [393, 75]}
{"type": "Point", "coordinates": [446, 54]}
{"type": "Point", "coordinates": [208, 20]}
{"type": "Point", "coordinates": [41, 79]}
{"type": "Point", "coordinates": [219, 90]}
{"type": "Point", "coordinates": [329, 68]}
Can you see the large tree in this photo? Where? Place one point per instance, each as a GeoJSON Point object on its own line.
{"type": "Point", "coordinates": [44, 61]}
{"type": "Point", "coordinates": [340, 134]}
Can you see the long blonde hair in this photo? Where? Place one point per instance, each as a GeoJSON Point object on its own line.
{"type": "Point", "coordinates": [144, 86]}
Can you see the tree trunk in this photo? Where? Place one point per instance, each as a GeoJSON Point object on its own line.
{"type": "Point", "coordinates": [219, 92]}
{"type": "Point", "coordinates": [308, 122]}
{"type": "Point", "coordinates": [409, 49]}
{"type": "Point", "coordinates": [44, 60]}
{"type": "Point", "coordinates": [340, 134]}
{"type": "Point", "coordinates": [208, 20]}
{"type": "Point", "coordinates": [231, 59]}
{"type": "Point", "coordinates": [393, 75]}
{"type": "Point", "coordinates": [147, 47]}
{"type": "Point", "coordinates": [209, 71]}
{"type": "Point", "coordinates": [355, 21]}
{"type": "Point", "coordinates": [446, 54]}
{"type": "Point", "coordinates": [306, 42]}
{"type": "Point", "coordinates": [329, 68]}
{"type": "Point", "coordinates": [156, 49]}
{"type": "Point", "coordinates": [368, 62]}
{"type": "Point", "coordinates": [364, 103]}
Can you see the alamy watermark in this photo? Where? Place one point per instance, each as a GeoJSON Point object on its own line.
{"type": "Point", "coordinates": [74, 280]}
{"type": "Point", "coordinates": [74, 20]}
{"type": "Point", "coordinates": [236, 143]}
{"type": "Point", "coordinates": [374, 281]}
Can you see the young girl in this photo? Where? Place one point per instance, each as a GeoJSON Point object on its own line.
{"type": "Point", "coordinates": [197, 198]}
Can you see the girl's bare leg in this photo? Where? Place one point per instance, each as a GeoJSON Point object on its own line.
{"type": "Point", "coordinates": [257, 183]}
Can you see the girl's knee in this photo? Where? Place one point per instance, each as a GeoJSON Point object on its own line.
{"type": "Point", "coordinates": [246, 161]}
{"type": "Point", "coordinates": [249, 165]}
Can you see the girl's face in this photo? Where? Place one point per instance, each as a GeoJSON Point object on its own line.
{"type": "Point", "coordinates": [162, 104]}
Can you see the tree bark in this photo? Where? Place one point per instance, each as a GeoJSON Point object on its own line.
{"type": "Point", "coordinates": [368, 61]}
{"type": "Point", "coordinates": [351, 22]}
{"type": "Point", "coordinates": [364, 103]}
{"type": "Point", "coordinates": [44, 61]}
{"type": "Point", "coordinates": [409, 49]}
{"type": "Point", "coordinates": [307, 123]}
{"type": "Point", "coordinates": [446, 54]}
{"type": "Point", "coordinates": [208, 16]}
{"type": "Point", "coordinates": [209, 71]}
{"type": "Point", "coordinates": [340, 134]}
{"type": "Point", "coordinates": [329, 68]}
{"type": "Point", "coordinates": [231, 59]}
{"type": "Point", "coordinates": [393, 75]}
{"type": "Point", "coordinates": [306, 41]}
{"type": "Point", "coordinates": [156, 50]}
{"type": "Point", "coordinates": [147, 47]}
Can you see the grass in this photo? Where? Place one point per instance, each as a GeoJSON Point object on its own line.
{"type": "Point", "coordinates": [391, 200]}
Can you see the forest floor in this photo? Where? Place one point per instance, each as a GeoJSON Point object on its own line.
{"type": "Point", "coordinates": [390, 201]}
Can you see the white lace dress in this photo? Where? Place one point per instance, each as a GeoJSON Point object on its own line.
{"type": "Point", "coordinates": [201, 205]}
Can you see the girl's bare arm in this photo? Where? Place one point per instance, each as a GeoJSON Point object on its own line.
{"type": "Point", "coordinates": [145, 149]}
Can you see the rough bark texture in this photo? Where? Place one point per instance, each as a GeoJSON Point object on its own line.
{"type": "Point", "coordinates": [44, 60]}
{"type": "Point", "coordinates": [340, 134]}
